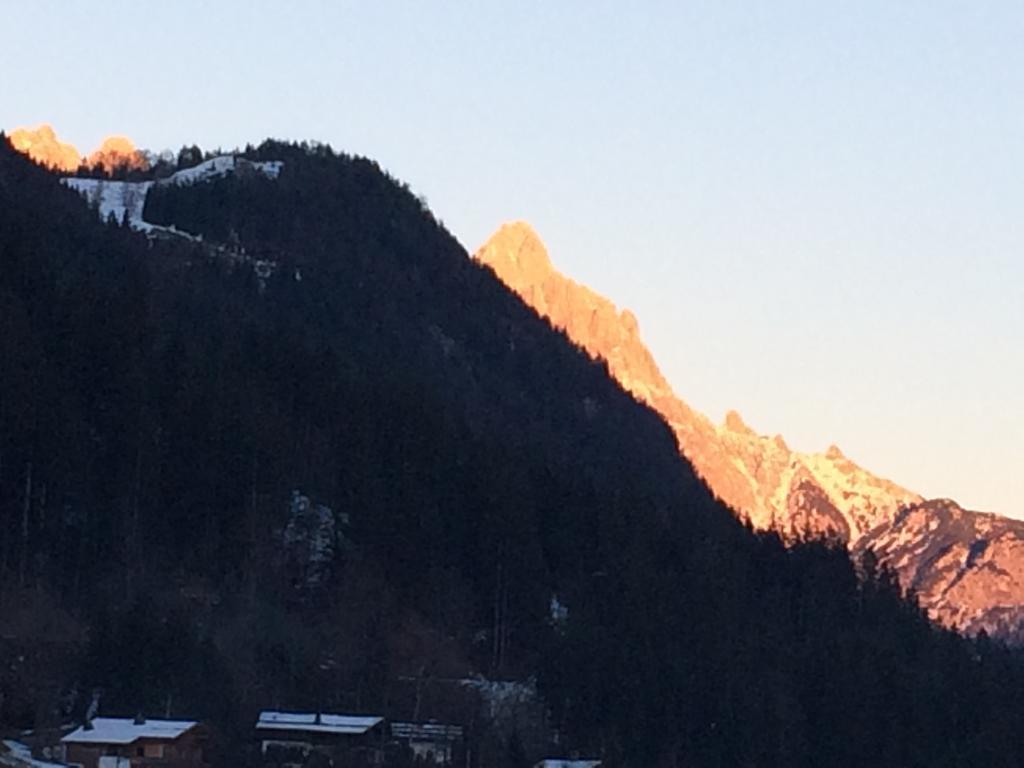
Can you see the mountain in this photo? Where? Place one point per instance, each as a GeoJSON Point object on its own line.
{"type": "Point", "coordinates": [966, 568]}
{"type": "Point", "coordinates": [269, 436]}
{"type": "Point", "coordinates": [43, 146]}
{"type": "Point", "coordinates": [276, 440]}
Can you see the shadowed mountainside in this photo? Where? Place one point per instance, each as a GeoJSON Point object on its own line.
{"type": "Point", "coordinates": [967, 568]}
{"type": "Point", "coordinates": [318, 459]}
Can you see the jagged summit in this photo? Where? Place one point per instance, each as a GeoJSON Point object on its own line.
{"type": "Point", "coordinates": [519, 258]}
{"type": "Point", "coordinates": [833, 452]}
{"type": "Point", "coordinates": [735, 423]}
{"type": "Point", "coordinates": [517, 250]}
{"type": "Point", "coordinates": [761, 478]}
{"type": "Point", "coordinates": [757, 476]}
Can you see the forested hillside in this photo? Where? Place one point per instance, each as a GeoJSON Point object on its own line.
{"type": "Point", "coordinates": [365, 469]}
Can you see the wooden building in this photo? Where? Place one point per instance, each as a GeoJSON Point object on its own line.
{"type": "Point", "coordinates": [430, 742]}
{"type": "Point", "coordinates": [320, 740]}
{"type": "Point", "coordinates": [113, 742]}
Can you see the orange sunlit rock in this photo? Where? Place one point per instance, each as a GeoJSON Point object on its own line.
{"type": "Point", "coordinates": [769, 485]}
{"type": "Point", "coordinates": [116, 151]}
{"type": "Point", "coordinates": [966, 568]}
{"type": "Point", "coordinates": [42, 145]}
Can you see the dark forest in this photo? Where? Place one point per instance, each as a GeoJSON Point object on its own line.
{"type": "Point", "coordinates": [320, 459]}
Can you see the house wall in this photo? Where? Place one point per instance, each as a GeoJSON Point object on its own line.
{"type": "Point", "coordinates": [187, 751]}
{"type": "Point", "coordinates": [291, 749]}
{"type": "Point", "coordinates": [86, 755]}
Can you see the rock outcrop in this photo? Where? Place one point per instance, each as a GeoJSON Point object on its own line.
{"type": "Point", "coordinates": [43, 146]}
{"type": "Point", "coordinates": [117, 151]}
{"type": "Point", "coordinates": [966, 567]}
{"type": "Point", "coordinates": [929, 544]}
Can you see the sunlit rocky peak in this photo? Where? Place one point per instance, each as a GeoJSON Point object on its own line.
{"type": "Point", "coordinates": [44, 147]}
{"type": "Point", "coordinates": [771, 486]}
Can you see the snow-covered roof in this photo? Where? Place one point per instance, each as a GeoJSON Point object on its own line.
{"type": "Point", "coordinates": [299, 721]}
{"type": "Point", "coordinates": [124, 730]}
{"type": "Point", "coordinates": [559, 763]}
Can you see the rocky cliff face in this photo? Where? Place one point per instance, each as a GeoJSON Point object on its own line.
{"type": "Point", "coordinates": [966, 568]}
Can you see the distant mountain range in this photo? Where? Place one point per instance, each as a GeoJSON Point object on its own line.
{"type": "Point", "coordinates": [966, 568]}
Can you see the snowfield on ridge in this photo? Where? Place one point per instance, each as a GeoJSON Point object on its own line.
{"type": "Point", "coordinates": [126, 200]}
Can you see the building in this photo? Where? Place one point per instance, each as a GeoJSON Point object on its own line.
{"type": "Point", "coordinates": [558, 762]}
{"type": "Point", "coordinates": [431, 742]}
{"type": "Point", "coordinates": [295, 740]}
{"type": "Point", "coordinates": [115, 742]}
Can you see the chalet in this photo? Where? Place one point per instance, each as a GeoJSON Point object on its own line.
{"type": "Point", "coordinates": [294, 740]}
{"type": "Point", "coordinates": [430, 742]}
{"type": "Point", "coordinates": [115, 742]}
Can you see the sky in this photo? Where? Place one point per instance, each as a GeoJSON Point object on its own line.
{"type": "Point", "coordinates": [813, 208]}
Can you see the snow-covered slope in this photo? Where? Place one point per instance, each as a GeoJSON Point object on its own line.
{"type": "Point", "coordinates": [128, 198]}
{"type": "Point", "coordinates": [115, 198]}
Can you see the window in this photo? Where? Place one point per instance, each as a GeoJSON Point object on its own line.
{"type": "Point", "coordinates": [139, 751]}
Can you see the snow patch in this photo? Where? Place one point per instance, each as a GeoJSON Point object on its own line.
{"type": "Point", "coordinates": [864, 500]}
{"type": "Point", "coordinates": [19, 755]}
{"type": "Point", "coordinates": [127, 199]}
{"type": "Point", "coordinates": [115, 198]}
{"type": "Point", "coordinates": [222, 165]}
{"type": "Point", "coordinates": [310, 541]}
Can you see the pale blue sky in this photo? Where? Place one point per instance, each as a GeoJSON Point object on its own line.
{"type": "Point", "coordinates": [813, 207]}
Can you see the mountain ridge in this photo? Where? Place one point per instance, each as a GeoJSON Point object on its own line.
{"type": "Point", "coordinates": [189, 432]}
{"type": "Point", "coordinates": [766, 483]}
